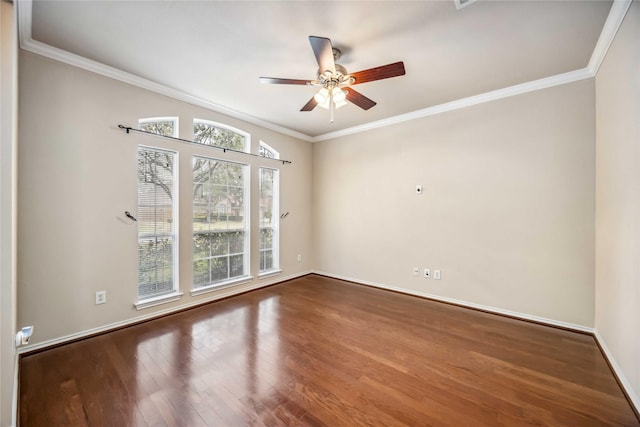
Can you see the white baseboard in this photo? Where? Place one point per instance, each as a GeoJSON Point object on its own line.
{"type": "Point", "coordinates": [496, 310]}
{"type": "Point", "coordinates": [633, 396]}
{"type": "Point", "coordinates": [626, 385]}
{"type": "Point", "coordinates": [112, 326]}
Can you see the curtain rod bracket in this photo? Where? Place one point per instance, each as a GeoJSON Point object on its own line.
{"type": "Point", "coordinates": [127, 129]}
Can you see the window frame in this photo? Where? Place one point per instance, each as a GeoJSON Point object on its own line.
{"type": "Point", "coordinates": [266, 147]}
{"type": "Point", "coordinates": [246, 267]}
{"type": "Point", "coordinates": [175, 294]}
{"type": "Point", "coordinates": [275, 221]}
{"type": "Point", "coordinates": [245, 135]}
{"type": "Point", "coordinates": [174, 119]}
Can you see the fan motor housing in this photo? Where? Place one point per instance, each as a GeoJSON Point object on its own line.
{"type": "Point", "coordinates": [339, 75]}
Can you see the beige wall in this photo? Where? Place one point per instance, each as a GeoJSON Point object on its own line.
{"type": "Point", "coordinates": [507, 211]}
{"type": "Point", "coordinates": [77, 175]}
{"type": "Point", "coordinates": [618, 202]}
{"type": "Point", "coordinates": [8, 126]}
{"type": "Point", "coordinates": [510, 199]}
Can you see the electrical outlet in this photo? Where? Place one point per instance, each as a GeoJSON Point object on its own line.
{"type": "Point", "coordinates": [23, 335]}
{"type": "Point", "coordinates": [416, 271]}
{"type": "Point", "coordinates": [436, 274]}
{"type": "Point", "coordinates": [427, 273]}
{"type": "Point", "coordinates": [101, 297]}
{"type": "Point", "coordinates": [299, 257]}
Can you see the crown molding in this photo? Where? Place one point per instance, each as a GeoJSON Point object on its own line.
{"type": "Point", "coordinates": [519, 89]}
{"type": "Point", "coordinates": [29, 44]}
{"type": "Point", "coordinates": [616, 15]}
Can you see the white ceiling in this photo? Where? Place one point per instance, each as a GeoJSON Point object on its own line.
{"type": "Point", "coordinates": [216, 50]}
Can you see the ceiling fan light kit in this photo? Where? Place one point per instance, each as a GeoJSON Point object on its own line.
{"type": "Point", "coordinates": [334, 80]}
{"type": "Point", "coordinates": [336, 95]}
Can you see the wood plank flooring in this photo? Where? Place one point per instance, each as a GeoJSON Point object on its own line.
{"type": "Point", "coordinates": [321, 352]}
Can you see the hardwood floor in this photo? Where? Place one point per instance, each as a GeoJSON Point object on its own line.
{"type": "Point", "coordinates": [321, 352]}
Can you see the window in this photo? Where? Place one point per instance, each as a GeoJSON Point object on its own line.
{"type": "Point", "coordinates": [157, 206]}
{"type": "Point", "coordinates": [210, 133]}
{"type": "Point", "coordinates": [269, 219]}
{"type": "Point", "coordinates": [266, 151]}
{"type": "Point", "coordinates": [167, 126]}
{"type": "Point", "coordinates": [220, 222]}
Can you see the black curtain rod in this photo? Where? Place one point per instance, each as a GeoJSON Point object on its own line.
{"type": "Point", "coordinates": [128, 129]}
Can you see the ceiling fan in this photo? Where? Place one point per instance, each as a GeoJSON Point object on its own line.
{"type": "Point", "coordinates": [334, 81]}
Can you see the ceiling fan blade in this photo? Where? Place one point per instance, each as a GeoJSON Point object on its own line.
{"type": "Point", "coordinates": [323, 51]}
{"type": "Point", "coordinates": [277, 81]}
{"type": "Point", "coordinates": [379, 73]}
{"type": "Point", "coordinates": [359, 99]}
{"type": "Point", "coordinates": [310, 105]}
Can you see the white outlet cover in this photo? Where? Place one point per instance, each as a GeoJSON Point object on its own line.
{"type": "Point", "coordinates": [101, 297]}
{"type": "Point", "coordinates": [436, 274]}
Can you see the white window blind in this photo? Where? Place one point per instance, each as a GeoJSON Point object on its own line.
{"type": "Point", "coordinates": [157, 201]}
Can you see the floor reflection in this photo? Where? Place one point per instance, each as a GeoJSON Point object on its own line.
{"type": "Point", "coordinates": [227, 354]}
